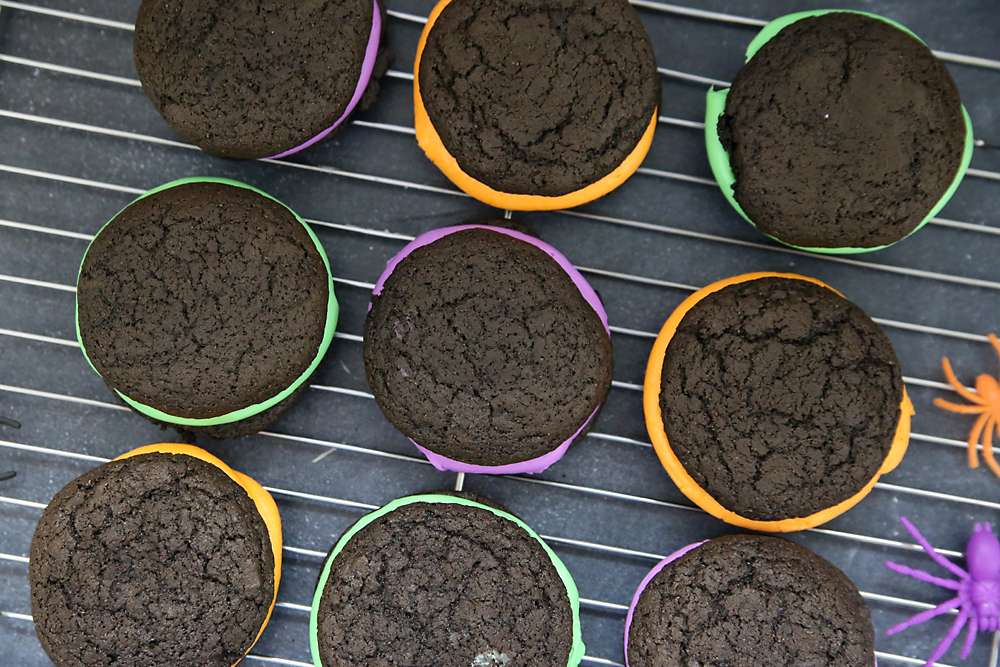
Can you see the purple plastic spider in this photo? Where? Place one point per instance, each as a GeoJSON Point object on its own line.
{"type": "Point", "coordinates": [978, 589]}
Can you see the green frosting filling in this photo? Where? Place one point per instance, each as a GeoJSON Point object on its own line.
{"type": "Point", "coordinates": [332, 312]}
{"type": "Point", "coordinates": [718, 158]}
{"type": "Point", "coordinates": [576, 652]}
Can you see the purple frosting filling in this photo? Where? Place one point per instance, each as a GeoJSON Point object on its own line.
{"type": "Point", "coordinates": [531, 465]}
{"type": "Point", "coordinates": [371, 51]}
{"type": "Point", "coordinates": [649, 577]}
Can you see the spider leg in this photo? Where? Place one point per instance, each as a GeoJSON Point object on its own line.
{"type": "Point", "coordinates": [991, 460]}
{"type": "Point", "coordinates": [924, 576]}
{"type": "Point", "coordinates": [942, 608]}
{"type": "Point", "coordinates": [974, 434]}
{"type": "Point", "coordinates": [995, 342]}
{"type": "Point", "coordinates": [956, 628]}
{"type": "Point", "coordinates": [970, 639]}
{"type": "Point", "coordinates": [959, 387]}
{"type": "Point", "coordinates": [935, 556]}
{"type": "Point", "coordinates": [961, 409]}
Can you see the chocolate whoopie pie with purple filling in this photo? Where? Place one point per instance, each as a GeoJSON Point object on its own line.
{"type": "Point", "coordinates": [260, 78]}
{"type": "Point", "coordinates": [748, 601]}
{"type": "Point", "coordinates": [487, 348]}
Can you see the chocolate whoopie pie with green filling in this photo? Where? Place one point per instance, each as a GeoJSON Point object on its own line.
{"type": "Point", "coordinates": [260, 78]}
{"type": "Point", "coordinates": [160, 558]}
{"type": "Point", "coordinates": [748, 601]}
{"type": "Point", "coordinates": [448, 581]}
{"type": "Point", "coordinates": [843, 132]}
{"type": "Point", "coordinates": [206, 305]}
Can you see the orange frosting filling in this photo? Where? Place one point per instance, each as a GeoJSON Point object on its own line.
{"type": "Point", "coordinates": [680, 476]}
{"type": "Point", "coordinates": [430, 142]}
{"type": "Point", "coordinates": [261, 498]}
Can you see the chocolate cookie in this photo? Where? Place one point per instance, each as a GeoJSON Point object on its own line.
{"type": "Point", "coordinates": [537, 105]}
{"type": "Point", "coordinates": [162, 557]}
{"type": "Point", "coordinates": [259, 78]}
{"type": "Point", "coordinates": [487, 348]}
{"type": "Point", "coordinates": [206, 305]}
{"type": "Point", "coordinates": [440, 580]}
{"type": "Point", "coordinates": [774, 402]}
{"type": "Point", "coordinates": [843, 131]}
{"type": "Point", "coordinates": [748, 601]}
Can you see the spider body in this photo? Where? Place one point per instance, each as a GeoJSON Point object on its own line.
{"type": "Point", "coordinates": [984, 595]}
{"type": "Point", "coordinates": [986, 403]}
{"type": "Point", "coordinates": [984, 573]}
{"type": "Point", "coordinates": [978, 589]}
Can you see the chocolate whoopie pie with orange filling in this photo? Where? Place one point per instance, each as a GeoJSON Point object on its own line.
{"type": "Point", "coordinates": [773, 402]}
{"type": "Point", "coordinates": [535, 106]}
{"type": "Point", "coordinates": [163, 556]}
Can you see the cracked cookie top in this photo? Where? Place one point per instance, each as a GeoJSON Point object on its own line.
{"type": "Point", "coordinates": [539, 97]}
{"type": "Point", "coordinates": [779, 397]}
{"type": "Point", "coordinates": [482, 349]}
{"type": "Point", "coordinates": [750, 601]}
{"type": "Point", "coordinates": [842, 131]}
{"type": "Point", "coordinates": [443, 584]}
{"type": "Point", "coordinates": [251, 79]}
{"type": "Point", "coordinates": [202, 299]}
{"type": "Point", "coordinates": [157, 559]}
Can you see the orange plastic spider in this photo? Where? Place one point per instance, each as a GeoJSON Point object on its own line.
{"type": "Point", "coordinates": [987, 405]}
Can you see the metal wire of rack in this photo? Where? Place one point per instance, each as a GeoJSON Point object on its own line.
{"type": "Point", "coordinates": [79, 141]}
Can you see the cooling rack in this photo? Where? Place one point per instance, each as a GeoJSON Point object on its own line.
{"type": "Point", "coordinates": [79, 140]}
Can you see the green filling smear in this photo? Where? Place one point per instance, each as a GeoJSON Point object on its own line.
{"type": "Point", "coordinates": [718, 158]}
{"type": "Point", "coordinates": [576, 652]}
{"type": "Point", "coordinates": [332, 312]}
